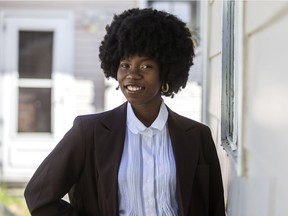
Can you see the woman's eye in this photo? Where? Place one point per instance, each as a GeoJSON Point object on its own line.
{"type": "Point", "coordinates": [146, 66]}
{"type": "Point", "coordinates": [124, 65]}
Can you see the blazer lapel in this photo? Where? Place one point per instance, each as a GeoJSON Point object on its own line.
{"type": "Point", "coordinates": [109, 147]}
{"type": "Point", "coordinates": [186, 152]}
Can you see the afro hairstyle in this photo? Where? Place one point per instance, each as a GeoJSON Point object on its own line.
{"type": "Point", "coordinates": [152, 33]}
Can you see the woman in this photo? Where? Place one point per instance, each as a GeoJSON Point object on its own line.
{"type": "Point", "coordinates": [140, 158]}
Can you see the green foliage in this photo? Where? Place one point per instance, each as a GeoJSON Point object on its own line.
{"type": "Point", "coordinates": [15, 204]}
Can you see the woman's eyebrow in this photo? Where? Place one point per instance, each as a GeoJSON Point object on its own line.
{"type": "Point", "coordinates": [147, 59]}
{"type": "Point", "coordinates": [143, 58]}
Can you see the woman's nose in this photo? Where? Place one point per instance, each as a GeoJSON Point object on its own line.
{"type": "Point", "coordinates": [134, 73]}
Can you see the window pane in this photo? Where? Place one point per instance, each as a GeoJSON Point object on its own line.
{"type": "Point", "coordinates": [34, 114]}
{"type": "Point", "coordinates": [35, 54]}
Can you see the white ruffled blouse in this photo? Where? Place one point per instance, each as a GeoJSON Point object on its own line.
{"type": "Point", "coordinates": [147, 173]}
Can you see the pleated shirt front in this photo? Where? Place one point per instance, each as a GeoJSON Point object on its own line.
{"type": "Point", "coordinates": [147, 173]}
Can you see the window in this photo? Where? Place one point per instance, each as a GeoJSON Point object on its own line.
{"type": "Point", "coordinates": [34, 107]}
{"type": "Point", "coordinates": [35, 84]}
{"type": "Point", "coordinates": [231, 80]}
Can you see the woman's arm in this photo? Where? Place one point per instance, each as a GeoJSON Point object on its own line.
{"type": "Point", "coordinates": [56, 175]}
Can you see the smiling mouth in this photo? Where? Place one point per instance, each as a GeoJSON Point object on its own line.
{"type": "Point", "coordinates": [133, 88]}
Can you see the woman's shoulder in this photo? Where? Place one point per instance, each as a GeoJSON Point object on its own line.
{"type": "Point", "coordinates": [179, 119]}
{"type": "Point", "coordinates": [92, 119]}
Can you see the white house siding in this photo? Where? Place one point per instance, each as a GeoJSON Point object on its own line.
{"type": "Point", "coordinates": [90, 18]}
{"type": "Point", "coordinates": [86, 93]}
{"type": "Point", "coordinates": [262, 187]}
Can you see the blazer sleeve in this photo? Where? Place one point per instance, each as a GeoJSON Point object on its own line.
{"type": "Point", "coordinates": [216, 198]}
{"type": "Point", "coordinates": [56, 175]}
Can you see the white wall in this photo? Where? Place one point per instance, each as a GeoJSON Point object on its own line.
{"type": "Point", "coordinates": [262, 190]}
{"type": "Point", "coordinates": [266, 108]}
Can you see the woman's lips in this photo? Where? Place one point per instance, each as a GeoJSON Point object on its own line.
{"type": "Point", "coordinates": [134, 88]}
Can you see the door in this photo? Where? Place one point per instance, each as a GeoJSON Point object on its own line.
{"type": "Point", "coordinates": [37, 82]}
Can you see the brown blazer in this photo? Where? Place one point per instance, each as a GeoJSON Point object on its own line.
{"type": "Point", "coordinates": [85, 163]}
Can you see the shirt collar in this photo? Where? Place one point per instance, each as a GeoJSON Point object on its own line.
{"type": "Point", "coordinates": [136, 126]}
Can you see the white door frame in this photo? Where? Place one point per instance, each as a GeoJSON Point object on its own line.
{"type": "Point", "coordinates": [22, 153]}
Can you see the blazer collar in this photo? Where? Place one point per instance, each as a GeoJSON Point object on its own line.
{"type": "Point", "coordinates": [185, 147]}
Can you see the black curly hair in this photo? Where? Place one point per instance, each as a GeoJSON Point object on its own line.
{"type": "Point", "coordinates": [149, 32]}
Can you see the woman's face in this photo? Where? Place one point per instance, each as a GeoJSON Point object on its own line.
{"type": "Point", "coordinates": [139, 80]}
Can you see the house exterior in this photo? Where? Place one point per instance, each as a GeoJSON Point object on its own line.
{"type": "Point", "coordinates": [244, 88]}
{"type": "Point", "coordinates": [49, 73]}
{"type": "Point", "coordinates": [245, 101]}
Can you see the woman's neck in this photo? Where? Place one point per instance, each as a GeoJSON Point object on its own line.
{"type": "Point", "coordinates": [147, 114]}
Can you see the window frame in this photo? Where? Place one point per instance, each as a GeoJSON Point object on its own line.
{"type": "Point", "coordinates": [232, 81]}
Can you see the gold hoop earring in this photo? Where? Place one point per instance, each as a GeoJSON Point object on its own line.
{"type": "Point", "coordinates": [165, 88]}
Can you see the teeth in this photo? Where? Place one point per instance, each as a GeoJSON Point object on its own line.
{"type": "Point", "coordinates": [134, 88]}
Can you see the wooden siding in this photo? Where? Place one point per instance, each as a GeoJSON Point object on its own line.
{"type": "Point", "coordinates": [90, 19]}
